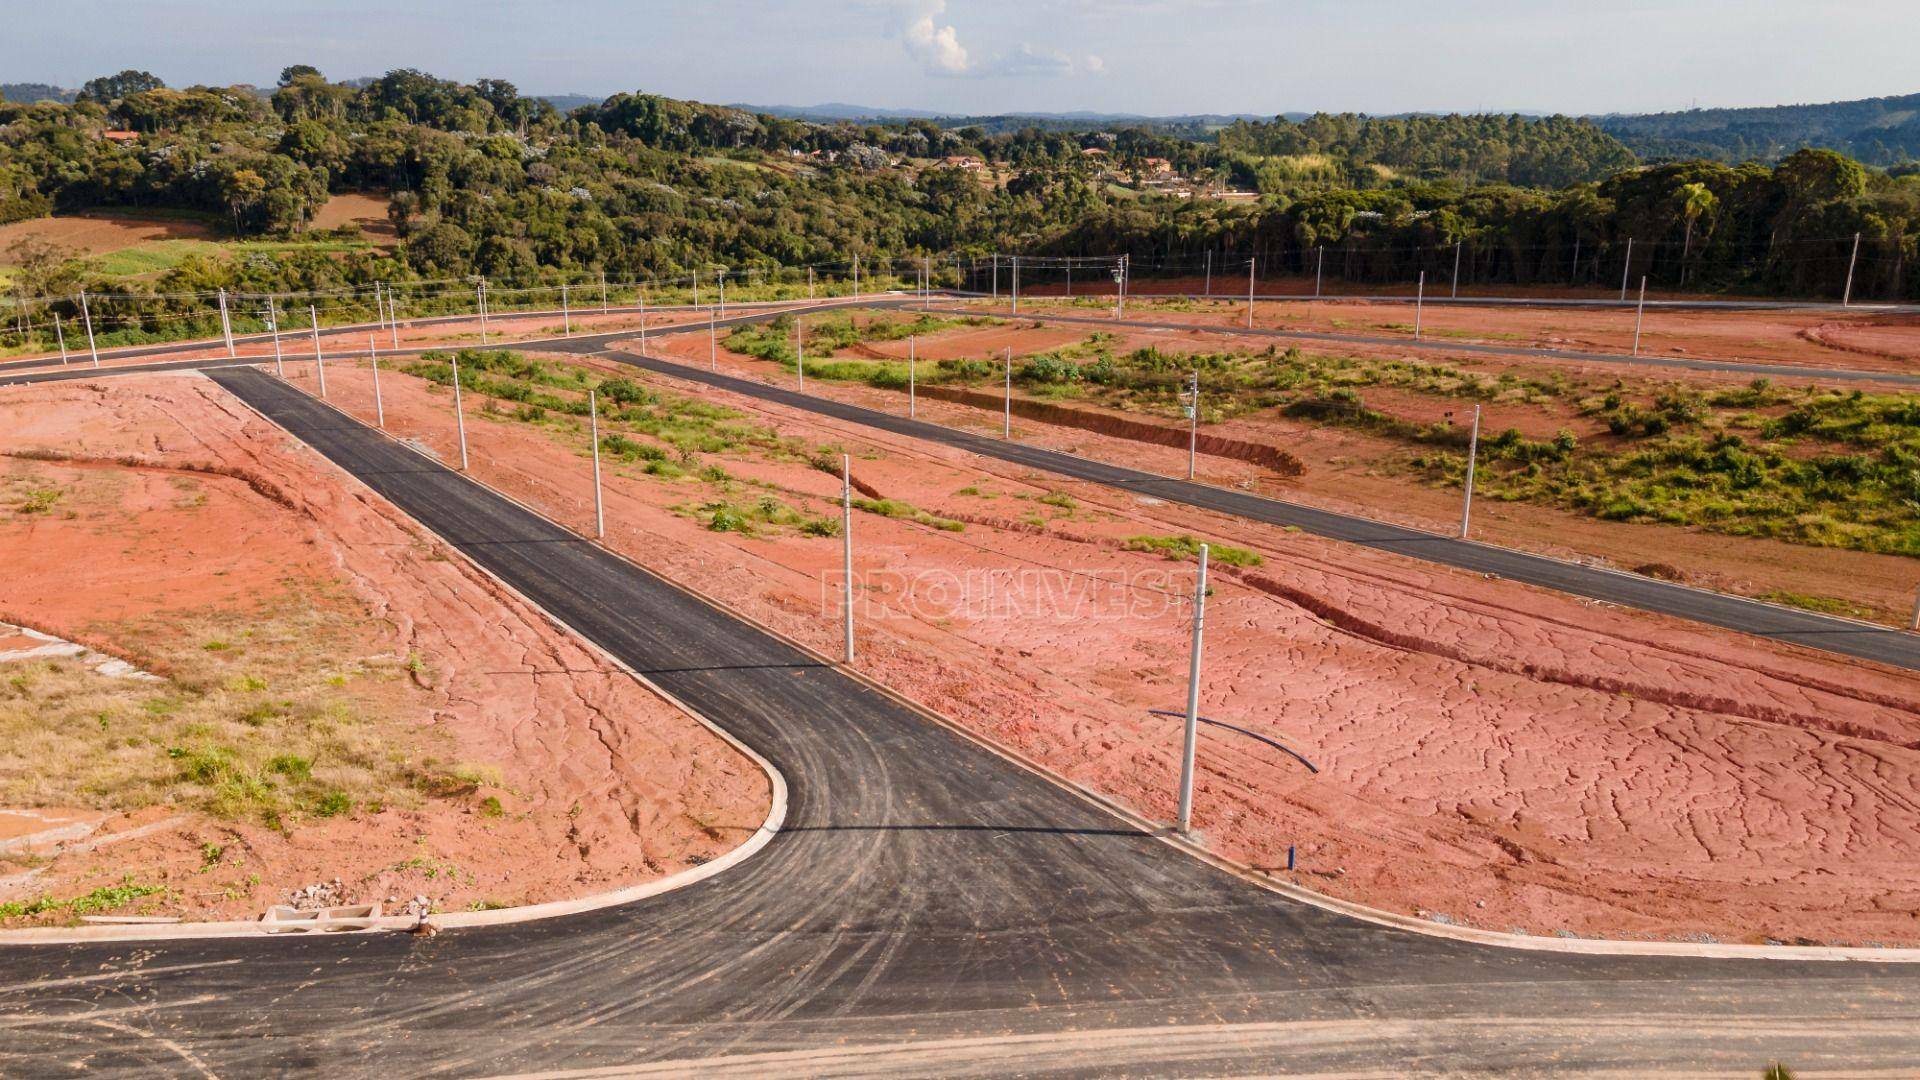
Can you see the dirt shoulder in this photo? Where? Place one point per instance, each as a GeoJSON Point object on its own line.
{"type": "Point", "coordinates": [1490, 754]}
{"type": "Point", "coordinates": [338, 696]}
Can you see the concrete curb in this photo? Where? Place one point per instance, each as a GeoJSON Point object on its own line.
{"type": "Point", "coordinates": [762, 835]}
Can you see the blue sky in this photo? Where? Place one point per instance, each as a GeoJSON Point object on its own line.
{"type": "Point", "coordinates": [979, 56]}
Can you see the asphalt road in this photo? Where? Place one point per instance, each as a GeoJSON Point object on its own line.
{"type": "Point", "coordinates": [1856, 639]}
{"type": "Point", "coordinates": [1795, 372]}
{"type": "Point", "coordinates": [929, 909]}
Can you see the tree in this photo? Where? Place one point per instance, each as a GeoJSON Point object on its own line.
{"type": "Point", "coordinates": [245, 188]}
{"type": "Point", "coordinates": [298, 71]}
{"type": "Point", "coordinates": [108, 89]}
{"type": "Point", "coordinates": [1696, 201]}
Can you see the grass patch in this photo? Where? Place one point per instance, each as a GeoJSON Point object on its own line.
{"type": "Point", "coordinates": [1185, 547]}
{"type": "Point", "coordinates": [105, 898]}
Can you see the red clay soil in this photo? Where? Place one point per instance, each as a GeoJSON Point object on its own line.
{"type": "Point", "coordinates": [602, 783]}
{"type": "Point", "coordinates": [1502, 756]}
{"type": "Point", "coordinates": [1342, 471]}
{"type": "Point", "coordinates": [1864, 341]}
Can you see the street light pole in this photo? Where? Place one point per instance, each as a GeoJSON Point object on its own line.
{"type": "Point", "coordinates": [1193, 696]}
{"type": "Point", "coordinates": [459, 415]}
{"type": "Point", "coordinates": [86, 315]}
{"type": "Point", "coordinates": [226, 327]}
{"type": "Point", "coordinates": [1193, 423]}
{"type": "Point", "coordinates": [1419, 304]}
{"type": "Point", "coordinates": [799, 353]}
{"type": "Point", "coordinates": [1319, 268]}
{"type": "Point", "coordinates": [713, 344]}
{"type": "Point", "coordinates": [1625, 270]}
{"type": "Point", "coordinates": [379, 407]}
{"type": "Point", "coordinates": [846, 548]}
{"type": "Point", "coordinates": [319, 367]}
{"type": "Point", "coordinates": [599, 504]}
{"type": "Point", "coordinates": [1456, 269]}
{"type": "Point", "coordinates": [1251, 262]}
{"type": "Point", "coordinates": [1846, 299]}
{"type": "Point", "coordinates": [1016, 284]}
{"type": "Point", "coordinates": [566, 315]}
{"type": "Point", "coordinates": [1473, 458]}
{"type": "Point", "coordinates": [1640, 315]}
{"type": "Point", "coordinates": [60, 333]}
{"type": "Point", "coordinates": [273, 321]}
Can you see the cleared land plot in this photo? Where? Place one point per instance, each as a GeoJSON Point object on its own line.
{"type": "Point", "coordinates": [340, 698]}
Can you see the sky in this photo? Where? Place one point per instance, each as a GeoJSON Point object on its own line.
{"type": "Point", "coordinates": [1156, 57]}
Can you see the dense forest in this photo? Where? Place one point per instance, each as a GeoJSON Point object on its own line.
{"type": "Point", "coordinates": [1877, 131]}
{"type": "Point", "coordinates": [485, 181]}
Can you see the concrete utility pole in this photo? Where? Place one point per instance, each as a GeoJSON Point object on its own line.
{"type": "Point", "coordinates": [912, 349]}
{"type": "Point", "coordinates": [721, 276]}
{"type": "Point", "coordinates": [1456, 269]}
{"type": "Point", "coordinates": [273, 323]}
{"type": "Point", "coordinates": [996, 275]}
{"type": "Point", "coordinates": [1126, 273]}
{"type": "Point", "coordinates": [1193, 423]}
{"type": "Point", "coordinates": [1473, 458]}
{"type": "Point", "coordinates": [599, 503]}
{"type": "Point", "coordinates": [1573, 276]}
{"type": "Point", "coordinates": [1185, 823]}
{"type": "Point", "coordinates": [846, 547]}
{"type": "Point", "coordinates": [1319, 268]}
{"type": "Point", "coordinates": [480, 305]}
{"type": "Point", "coordinates": [313, 318]}
{"type": "Point", "coordinates": [603, 292]}
{"type": "Point", "coordinates": [1250, 265]}
{"type": "Point", "coordinates": [1208, 291]}
{"type": "Point", "coordinates": [713, 344]}
{"type": "Point", "coordinates": [1006, 424]}
{"type": "Point", "coordinates": [1914, 623]}
{"type": "Point", "coordinates": [799, 353]}
{"type": "Point", "coordinates": [856, 275]}
{"type": "Point", "coordinates": [1846, 298]}
{"type": "Point", "coordinates": [566, 314]}
{"type": "Point", "coordinates": [393, 319]}
{"type": "Point", "coordinates": [1640, 315]}
{"type": "Point", "coordinates": [226, 327]}
{"type": "Point", "coordinates": [60, 333]}
{"type": "Point", "coordinates": [643, 321]}
{"type": "Point", "coordinates": [459, 415]}
{"type": "Point", "coordinates": [809, 283]}
{"type": "Point", "coordinates": [1419, 304]}
{"type": "Point", "coordinates": [86, 315]}
{"type": "Point", "coordinates": [379, 308]}
{"type": "Point", "coordinates": [379, 407]}
{"type": "Point", "coordinates": [1016, 284]}
{"type": "Point", "coordinates": [696, 286]}
{"type": "Point", "coordinates": [320, 372]}
{"type": "Point", "coordinates": [1625, 270]}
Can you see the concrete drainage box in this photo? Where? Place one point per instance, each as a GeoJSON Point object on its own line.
{"type": "Point", "coordinates": [281, 919]}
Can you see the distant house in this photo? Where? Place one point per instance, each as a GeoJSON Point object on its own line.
{"type": "Point", "coordinates": [117, 135]}
{"type": "Point", "coordinates": [1157, 166]}
{"type": "Point", "coordinates": [956, 161]}
{"type": "Point", "coordinates": [1092, 151]}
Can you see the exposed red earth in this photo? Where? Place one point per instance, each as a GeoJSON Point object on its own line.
{"type": "Point", "coordinates": [1866, 341]}
{"type": "Point", "coordinates": [1342, 472]}
{"type": "Point", "coordinates": [1491, 754]}
{"type": "Point", "coordinates": [183, 508]}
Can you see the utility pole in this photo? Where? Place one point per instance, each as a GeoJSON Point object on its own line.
{"type": "Point", "coordinates": [809, 284]}
{"type": "Point", "coordinates": [226, 327]}
{"type": "Point", "coordinates": [60, 333]}
{"type": "Point", "coordinates": [599, 503]}
{"type": "Point", "coordinates": [696, 286]}
{"type": "Point", "coordinates": [1626, 269]}
{"type": "Point", "coordinates": [393, 318]}
{"type": "Point", "coordinates": [1914, 623]}
{"type": "Point", "coordinates": [996, 275]}
{"type": "Point", "coordinates": [1573, 277]}
{"type": "Point", "coordinates": [86, 314]}
{"type": "Point", "coordinates": [1193, 423]}
{"type": "Point", "coordinates": [566, 315]}
{"type": "Point", "coordinates": [1208, 291]}
{"type": "Point", "coordinates": [313, 318]}
{"type": "Point", "coordinates": [603, 292]}
{"type": "Point", "coordinates": [912, 350]}
{"type": "Point", "coordinates": [721, 276]}
{"type": "Point", "coordinates": [480, 305]}
{"type": "Point", "coordinates": [320, 372]}
{"type": "Point", "coordinates": [1473, 458]}
{"type": "Point", "coordinates": [1846, 299]}
{"type": "Point", "coordinates": [856, 275]}
{"type": "Point", "coordinates": [713, 344]}
{"type": "Point", "coordinates": [273, 323]}
{"type": "Point", "coordinates": [459, 415]}
{"type": "Point", "coordinates": [1006, 423]}
{"type": "Point", "coordinates": [1126, 272]}
{"type": "Point", "coordinates": [1319, 268]}
{"type": "Point", "coordinates": [1251, 261]}
{"type": "Point", "coordinates": [799, 353]}
{"type": "Point", "coordinates": [643, 320]}
{"type": "Point", "coordinates": [1016, 284]}
{"type": "Point", "coordinates": [846, 547]}
{"type": "Point", "coordinates": [1640, 316]}
{"type": "Point", "coordinates": [379, 407]}
{"type": "Point", "coordinates": [1419, 304]}
{"type": "Point", "coordinates": [1456, 269]}
{"type": "Point", "coordinates": [1185, 823]}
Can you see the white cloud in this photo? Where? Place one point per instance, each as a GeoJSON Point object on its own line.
{"type": "Point", "coordinates": [1094, 64]}
{"type": "Point", "coordinates": [936, 47]}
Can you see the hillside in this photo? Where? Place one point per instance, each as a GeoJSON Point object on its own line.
{"type": "Point", "coordinates": [1878, 131]}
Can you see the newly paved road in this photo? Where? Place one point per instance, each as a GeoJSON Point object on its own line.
{"type": "Point", "coordinates": [930, 909]}
{"type": "Point", "coordinates": [1795, 372]}
{"type": "Point", "coordinates": [1844, 636]}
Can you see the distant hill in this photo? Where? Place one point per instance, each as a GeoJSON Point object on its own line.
{"type": "Point", "coordinates": [28, 93]}
{"type": "Point", "coordinates": [1879, 131]}
{"type": "Point", "coordinates": [570, 102]}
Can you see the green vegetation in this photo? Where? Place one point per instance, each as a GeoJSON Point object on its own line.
{"type": "Point", "coordinates": [105, 898]}
{"type": "Point", "coordinates": [894, 508]}
{"type": "Point", "coordinates": [1188, 548]}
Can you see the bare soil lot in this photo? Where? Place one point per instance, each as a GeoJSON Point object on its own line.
{"type": "Point", "coordinates": [339, 696]}
{"type": "Point", "coordinates": [1490, 754]}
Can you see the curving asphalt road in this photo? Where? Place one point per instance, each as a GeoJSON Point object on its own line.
{"type": "Point", "coordinates": [929, 909]}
